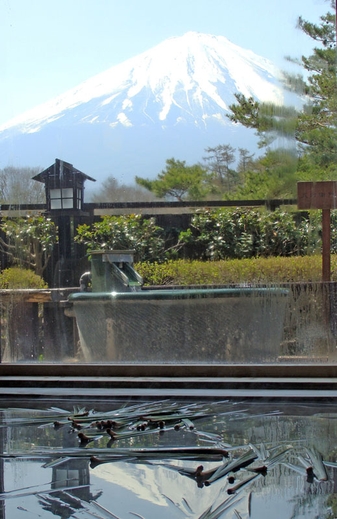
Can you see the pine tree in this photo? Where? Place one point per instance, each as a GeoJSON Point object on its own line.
{"type": "Point", "coordinates": [245, 160]}
{"type": "Point", "coordinates": [179, 181]}
{"type": "Point", "coordinates": [316, 129]}
{"type": "Point", "coordinates": [223, 178]}
{"type": "Point", "coordinates": [314, 126]}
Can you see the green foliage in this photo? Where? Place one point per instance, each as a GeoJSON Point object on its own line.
{"type": "Point", "coordinates": [270, 121]}
{"type": "Point", "coordinates": [130, 232]}
{"type": "Point", "coordinates": [15, 278]}
{"type": "Point", "coordinates": [227, 272]}
{"type": "Point", "coordinates": [272, 176]}
{"type": "Point", "coordinates": [213, 235]}
{"type": "Point", "coordinates": [158, 273]}
{"type": "Point", "coordinates": [29, 241]}
{"type": "Point", "coordinates": [317, 122]}
{"type": "Point", "coordinates": [178, 181]}
{"type": "Point", "coordinates": [222, 179]}
{"type": "Point", "coordinates": [245, 233]}
{"type": "Point", "coordinates": [314, 126]}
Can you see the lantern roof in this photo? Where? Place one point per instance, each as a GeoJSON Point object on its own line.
{"type": "Point", "coordinates": [61, 169]}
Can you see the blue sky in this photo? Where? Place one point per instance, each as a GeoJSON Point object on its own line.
{"type": "Point", "coordinates": [48, 46]}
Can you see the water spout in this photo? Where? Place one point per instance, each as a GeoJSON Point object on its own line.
{"type": "Point", "coordinates": [112, 271]}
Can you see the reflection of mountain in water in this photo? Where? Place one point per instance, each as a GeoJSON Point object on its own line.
{"type": "Point", "coordinates": [154, 492]}
{"type": "Point", "coordinates": [152, 489]}
{"type": "Point", "coordinates": [282, 489]}
{"type": "Point", "coordinates": [159, 485]}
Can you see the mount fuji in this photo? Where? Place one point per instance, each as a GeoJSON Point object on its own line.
{"type": "Point", "coordinates": [170, 101]}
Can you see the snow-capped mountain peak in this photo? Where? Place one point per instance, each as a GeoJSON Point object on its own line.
{"type": "Point", "coordinates": [192, 77]}
{"type": "Point", "coordinates": [170, 101]}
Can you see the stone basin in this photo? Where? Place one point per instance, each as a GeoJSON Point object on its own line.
{"type": "Point", "coordinates": [199, 325]}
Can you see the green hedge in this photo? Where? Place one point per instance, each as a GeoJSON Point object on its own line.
{"type": "Point", "coordinates": [223, 272]}
{"type": "Point", "coordinates": [226, 233]}
{"type": "Point", "coordinates": [15, 278]}
{"type": "Point", "coordinates": [248, 233]}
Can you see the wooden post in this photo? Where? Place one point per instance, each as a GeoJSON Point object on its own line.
{"type": "Point", "coordinates": [320, 195]}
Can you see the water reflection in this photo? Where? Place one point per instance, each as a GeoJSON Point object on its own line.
{"type": "Point", "coordinates": [226, 460]}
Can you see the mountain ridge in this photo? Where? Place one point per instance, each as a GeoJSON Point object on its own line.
{"type": "Point", "coordinates": [184, 82]}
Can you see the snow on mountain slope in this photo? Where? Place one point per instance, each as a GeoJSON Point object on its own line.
{"type": "Point", "coordinates": [170, 101]}
{"type": "Point", "coordinates": [196, 74]}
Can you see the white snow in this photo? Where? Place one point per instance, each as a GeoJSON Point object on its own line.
{"type": "Point", "coordinates": [197, 72]}
{"type": "Point", "coordinates": [122, 118]}
{"type": "Point", "coordinates": [127, 103]}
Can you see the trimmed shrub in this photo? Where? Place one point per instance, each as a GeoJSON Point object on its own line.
{"type": "Point", "coordinates": [225, 272]}
{"type": "Point", "coordinates": [14, 278]}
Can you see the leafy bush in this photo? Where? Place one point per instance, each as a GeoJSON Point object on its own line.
{"type": "Point", "coordinates": [15, 277]}
{"type": "Point", "coordinates": [230, 233]}
{"type": "Point", "coordinates": [226, 272]}
{"type": "Point", "coordinates": [124, 232]}
{"type": "Point", "coordinates": [246, 233]}
{"type": "Point", "coordinates": [29, 241]}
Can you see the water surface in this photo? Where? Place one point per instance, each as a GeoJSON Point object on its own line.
{"type": "Point", "coordinates": [282, 456]}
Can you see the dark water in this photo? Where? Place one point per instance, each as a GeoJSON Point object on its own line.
{"type": "Point", "coordinates": [284, 454]}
